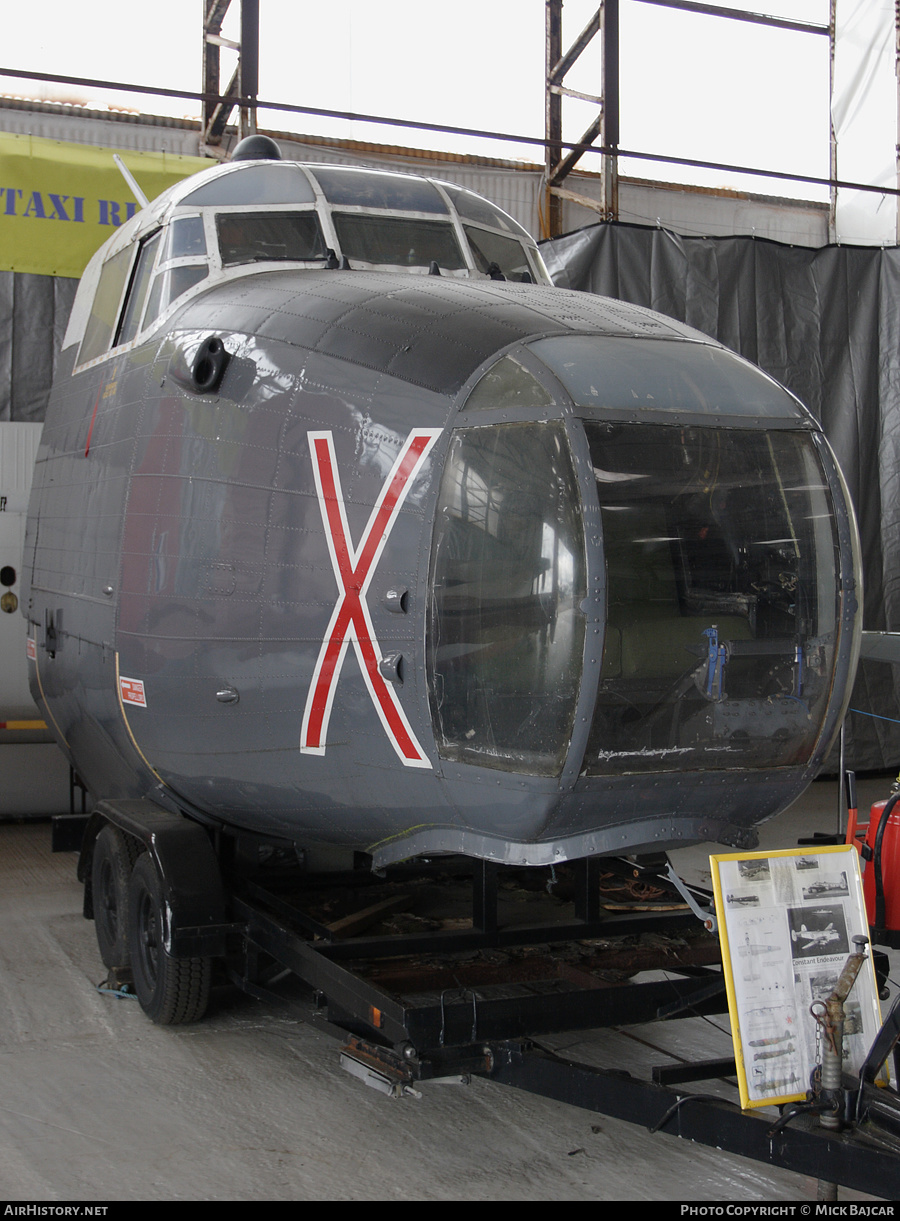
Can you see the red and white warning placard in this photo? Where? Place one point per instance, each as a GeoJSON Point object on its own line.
{"type": "Point", "coordinates": [133, 692]}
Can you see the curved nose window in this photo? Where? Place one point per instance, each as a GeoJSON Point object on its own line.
{"type": "Point", "coordinates": [721, 557]}
{"type": "Point", "coordinates": [619, 374]}
{"type": "Point", "coordinates": [506, 633]}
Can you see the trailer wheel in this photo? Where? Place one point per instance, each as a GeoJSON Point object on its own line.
{"type": "Point", "coordinates": [114, 856]}
{"type": "Point", "coordinates": [171, 991]}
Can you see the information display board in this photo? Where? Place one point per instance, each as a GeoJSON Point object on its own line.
{"type": "Point", "coordinates": [787, 920]}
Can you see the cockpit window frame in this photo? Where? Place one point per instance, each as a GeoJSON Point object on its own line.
{"type": "Point", "coordinates": [89, 331]}
{"type": "Point", "coordinates": [470, 228]}
{"type": "Point", "coordinates": [166, 265]}
{"type": "Point", "coordinates": [433, 221]}
{"type": "Point", "coordinates": [331, 180]}
{"type": "Point", "coordinates": [157, 237]}
{"type": "Point", "coordinates": [253, 214]}
{"type": "Point", "coordinates": [126, 258]}
{"type": "Point", "coordinates": [215, 256]}
{"type": "Point", "coordinates": [142, 273]}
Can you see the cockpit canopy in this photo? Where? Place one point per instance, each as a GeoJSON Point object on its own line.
{"type": "Point", "coordinates": [251, 215]}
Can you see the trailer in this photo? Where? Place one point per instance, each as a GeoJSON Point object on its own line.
{"type": "Point", "coordinates": [443, 969]}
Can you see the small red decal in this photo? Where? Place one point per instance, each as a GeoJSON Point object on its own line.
{"type": "Point", "coordinates": [133, 692]}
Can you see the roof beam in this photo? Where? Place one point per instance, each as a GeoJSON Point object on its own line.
{"type": "Point", "coordinates": [739, 14]}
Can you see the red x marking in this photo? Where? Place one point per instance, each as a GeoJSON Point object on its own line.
{"type": "Point", "coordinates": [353, 570]}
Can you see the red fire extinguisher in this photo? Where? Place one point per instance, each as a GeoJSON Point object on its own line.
{"type": "Point", "coordinates": [879, 846]}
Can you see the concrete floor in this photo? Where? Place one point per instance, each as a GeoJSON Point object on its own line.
{"type": "Point", "coordinates": [98, 1104]}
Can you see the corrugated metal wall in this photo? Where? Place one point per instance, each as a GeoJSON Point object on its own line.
{"type": "Point", "coordinates": [514, 187]}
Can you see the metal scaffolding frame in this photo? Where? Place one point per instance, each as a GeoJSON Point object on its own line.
{"type": "Point", "coordinates": [560, 156]}
{"type": "Point", "coordinates": [242, 90]}
{"type": "Point", "coordinates": [605, 25]}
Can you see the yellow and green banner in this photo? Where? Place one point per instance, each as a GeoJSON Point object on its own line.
{"type": "Point", "coordinates": [60, 201]}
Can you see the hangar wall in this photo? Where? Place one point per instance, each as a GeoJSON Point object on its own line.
{"type": "Point", "coordinates": [824, 322]}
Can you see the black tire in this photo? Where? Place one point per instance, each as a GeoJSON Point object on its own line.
{"type": "Point", "coordinates": [171, 991]}
{"type": "Point", "coordinates": [114, 855]}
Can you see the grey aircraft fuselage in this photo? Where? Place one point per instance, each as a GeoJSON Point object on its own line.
{"type": "Point", "coordinates": [423, 563]}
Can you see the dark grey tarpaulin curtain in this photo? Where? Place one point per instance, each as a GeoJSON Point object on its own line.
{"type": "Point", "coordinates": [825, 323]}
{"type": "Point", "coordinates": [34, 311]}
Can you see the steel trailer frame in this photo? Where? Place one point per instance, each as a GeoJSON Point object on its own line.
{"type": "Point", "coordinates": [403, 1022]}
{"type": "Point", "coordinates": [395, 1045]}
